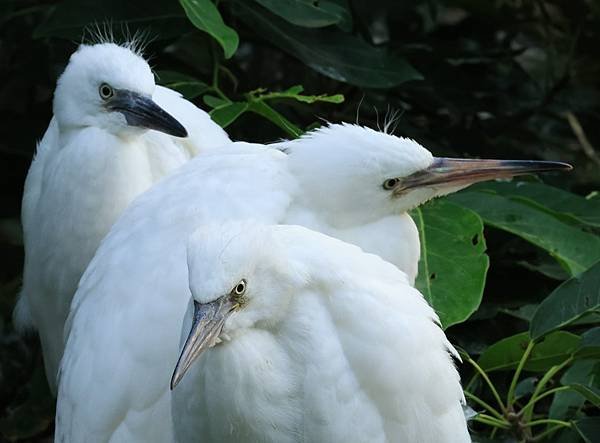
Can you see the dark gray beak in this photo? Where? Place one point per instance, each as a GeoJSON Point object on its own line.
{"type": "Point", "coordinates": [456, 172]}
{"type": "Point", "coordinates": [143, 112]}
{"type": "Point", "coordinates": [207, 324]}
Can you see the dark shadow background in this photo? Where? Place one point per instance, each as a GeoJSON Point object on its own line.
{"type": "Point", "coordinates": [505, 79]}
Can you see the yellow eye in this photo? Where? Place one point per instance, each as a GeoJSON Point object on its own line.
{"type": "Point", "coordinates": [240, 288]}
{"type": "Point", "coordinates": [105, 91]}
{"type": "Point", "coordinates": [390, 183]}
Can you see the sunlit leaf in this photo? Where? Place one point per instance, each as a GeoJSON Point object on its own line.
{"type": "Point", "coordinates": [453, 262]}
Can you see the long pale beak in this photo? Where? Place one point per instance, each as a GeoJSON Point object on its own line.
{"type": "Point", "coordinates": [457, 172]}
{"type": "Point", "coordinates": [207, 324]}
{"type": "Point", "coordinates": [143, 112]}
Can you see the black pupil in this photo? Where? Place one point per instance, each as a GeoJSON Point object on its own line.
{"type": "Point", "coordinates": [240, 288]}
{"type": "Point", "coordinates": [105, 91]}
{"type": "Point", "coordinates": [391, 182]}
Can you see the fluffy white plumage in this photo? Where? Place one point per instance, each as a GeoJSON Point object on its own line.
{"type": "Point", "coordinates": [93, 160]}
{"type": "Point", "coordinates": [330, 345]}
{"type": "Point", "coordinates": [126, 317]}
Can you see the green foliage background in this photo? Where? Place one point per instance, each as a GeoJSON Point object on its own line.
{"type": "Point", "coordinates": [511, 267]}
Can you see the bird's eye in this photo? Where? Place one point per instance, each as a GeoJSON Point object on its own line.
{"type": "Point", "coordinates": [240, 288]}
{"type": "Point", "coordinates": [105, 91]}
{"type": "Point", "coordinates": [390, 183]}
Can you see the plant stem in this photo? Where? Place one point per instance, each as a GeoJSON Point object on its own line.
{"type": "Point", "coordinates": [480, 402]}
{"type": "Point", "coordinates": [527, 411]}
{"type": "Point", "coordinates": [491, 421]}
{"type": "Point", "coordinates": [532, 400]}
{"type": "Point", "coordinates": [546, 433]}
{"type": "Point", "coordinates": [488, 381]}
{"type": "Point", "coordinates": [547, 421]}
{"type": "Point", "coordinates": [510, 398]}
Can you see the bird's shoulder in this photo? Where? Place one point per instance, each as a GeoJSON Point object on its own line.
{"type": "Point", "coordinates": [203, 132]}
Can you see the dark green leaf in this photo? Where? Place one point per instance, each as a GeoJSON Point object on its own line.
{"type": "Point", "coordinates": [337, 55]}
{"type": "Point", "coordinates": [205, 16]}
{"type": "Point", "coordinates": [506, 353]}
{"type": "Point", "coordinates": [565, 403]}
{"type": "Point", "coordinates": [590, 393]}
{"type": "Point", "coordinates": [555, 199]}
{"type": "Point", "coordinates": [453, 262]}
{"type": "Point", "coordinates": [215, 102]}
{"type": "Point", "coordinates": [309, 13]}
{"type": "Point", "coordinates": [188, 86]}
{"type": "Point", "coordinates": [567, 303]}
{"type": "Point", "coordinates": [160, 20]}
{"type": "Point", "coordinates": [227, 114]}
{"type": "Point", "coordinates": [574, 248]}
{"type": "Point", "coordinates": [590, 344]}
{"type": "Point", "coordinates": [271, 114]}
{"type": "Point", "coordinates": [589, 429]}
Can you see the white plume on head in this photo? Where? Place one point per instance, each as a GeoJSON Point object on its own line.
{"type": "Point", "coordinates": [341, 169]}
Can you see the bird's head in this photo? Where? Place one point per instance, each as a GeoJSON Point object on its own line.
{"type": "Point", "coordinates": [366, 174]}
{"type": "Point", "coordinates": [239, 278]}
{"type": "Point", "coordinates": [109, 86]}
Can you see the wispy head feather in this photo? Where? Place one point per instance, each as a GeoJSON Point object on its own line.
{"type": "Point", "coordinates": [104, 32]}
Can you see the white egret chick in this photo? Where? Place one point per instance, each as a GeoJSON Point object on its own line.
{"type": "Point", "coordinates": [299, 337]}
{"type": "Point", "coordinates": [96, 156]}
{"type": "Point", "coordinates": [125, 319]}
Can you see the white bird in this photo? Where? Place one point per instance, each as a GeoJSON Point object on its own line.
{"type": "Point", "coordinates": [126, 316]}
{"type": "Point", "coordinates": [314, 341]}
{"type": "Point", "coordinates": [95, 157]}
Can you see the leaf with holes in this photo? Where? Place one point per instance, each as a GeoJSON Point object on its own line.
{"type": "Point", "coordinates": [453, 263]}
{"type": "Point", "coordinates": [574, 248]}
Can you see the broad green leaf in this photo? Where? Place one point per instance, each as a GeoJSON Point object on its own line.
{"type": "Point", "coordinates": [575, 249]}
{"type": "Point", "coordinates": [583, 210]}
{"type": "Point", "coordinates": [506, 353]}
{"type": "Point", "coordinates": [570, 301]}
{"type": "Point", "coordinates": [588, 428]}
{"type": "Point", "coordinates": [215, 102]}
{"type": "Point", "coordinates": [525, 387]}
{"type": "Point", "coordinates": [565, 403]}
{"type": "Point", "coordinates": [453, 262]}
{"type": "Point", "coordinates": [205, 16]}
{"type": "Point", "coordinates": [261, 108]}
{"type": "Point", "coordinates": [160, 20]}
{"type": "Point", "coordinates": [188, 86]}
{"type": "Point", "coordinates": [590, 344]}
{"type": "Point", "coordinates": [226, 115]}
{"type": "Point", "coordinates": [335, 54]}
{"type": "Point", "coordinates": [309, 13]}
{"type": "Point", "coordinates": [590, 393]}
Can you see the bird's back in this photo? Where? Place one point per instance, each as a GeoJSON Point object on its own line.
{"type": "Point", "coordinates": [124, 324]}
